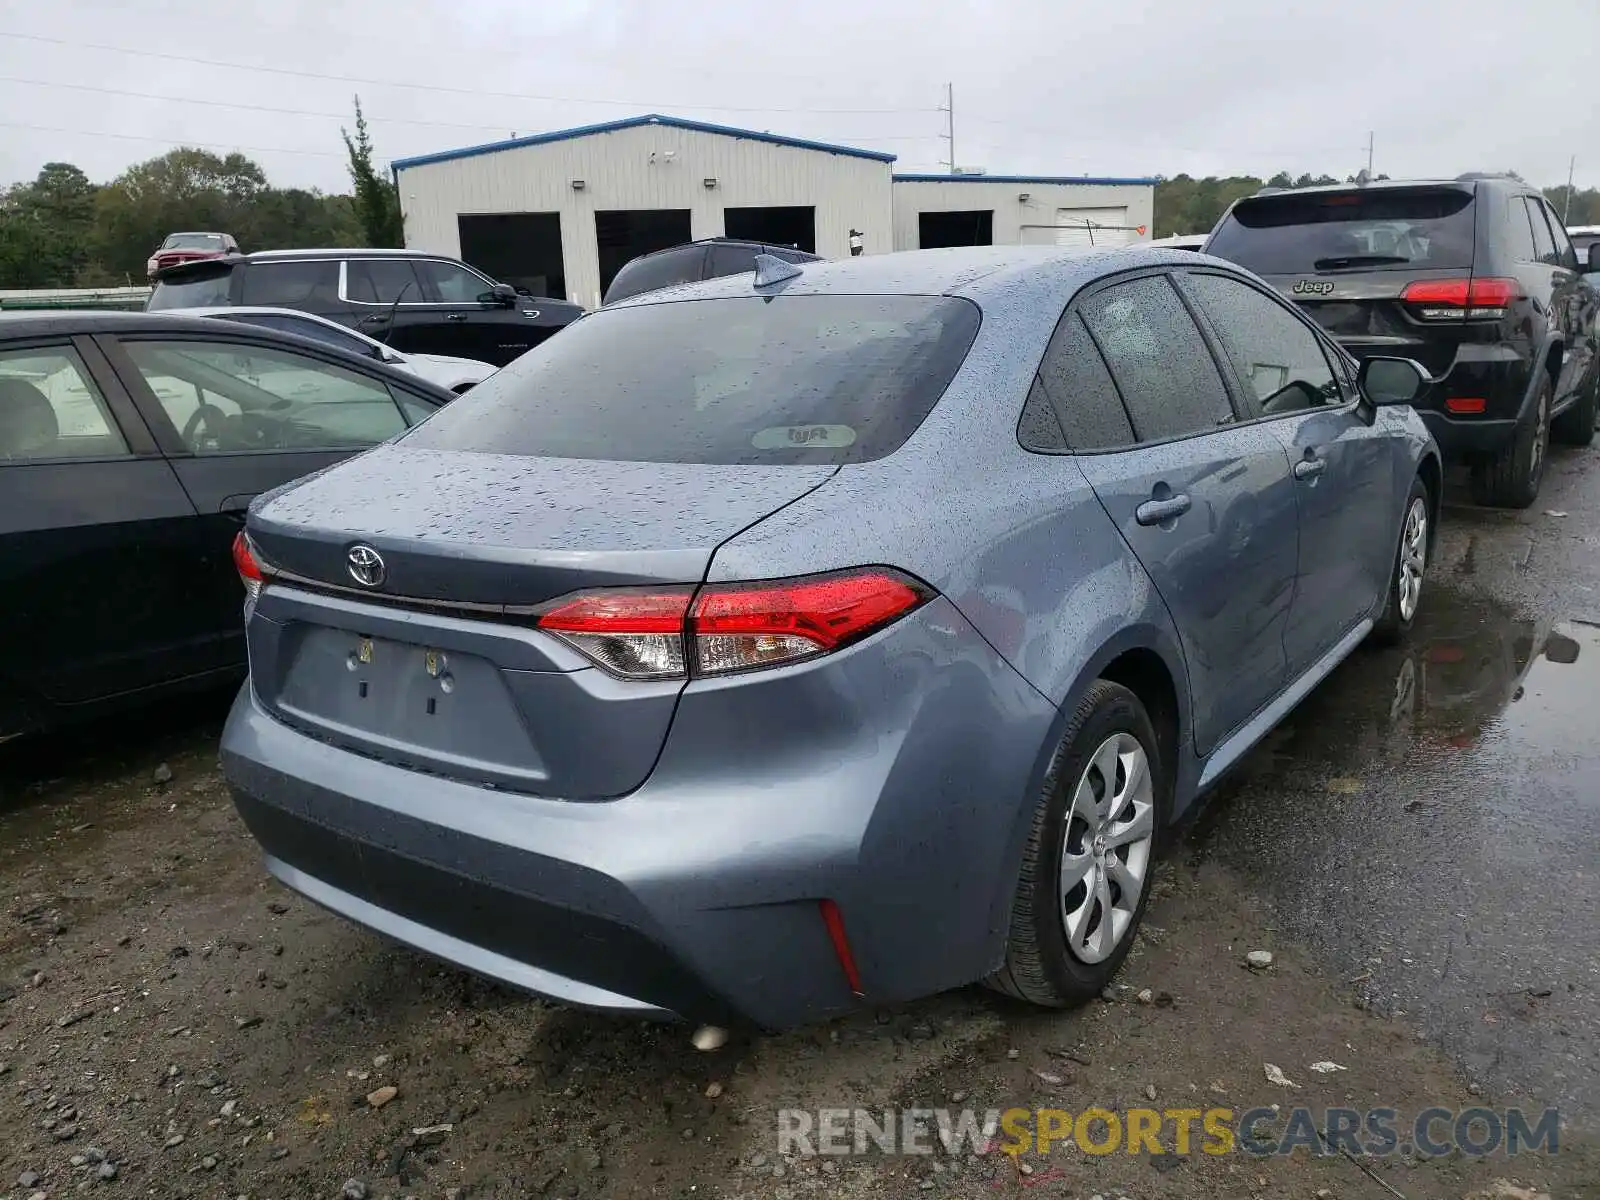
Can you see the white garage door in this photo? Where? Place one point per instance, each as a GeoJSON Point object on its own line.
{"type": "Point", "coordinates": [1083, 227]}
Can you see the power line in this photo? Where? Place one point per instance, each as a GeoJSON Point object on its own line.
{"type": "Point", "coordinates": [306, 112]}
{"type": "Point", "coordinates": [134, 137]}
{"type": "Point", "coordinates": [439, 87]}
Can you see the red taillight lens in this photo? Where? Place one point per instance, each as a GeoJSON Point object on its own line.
{"type": "Point", "coordinates": [737, 628]}
{"type": "Point", "coordinates": [660, 634]}
{"type": "Point", "coordinates": [251, 573]}
{"type": "Point", "coordinates": [637, 634]}
{"type": "Point", "coordinates": [1461, 299]}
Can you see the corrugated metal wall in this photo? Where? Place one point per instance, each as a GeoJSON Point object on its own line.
{"type": "Point", "coordinates": [631, 169]}
{"type": "Point", "coordinates": [1011, 214]}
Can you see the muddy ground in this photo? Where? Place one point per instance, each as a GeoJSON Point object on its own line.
{"type": "Point", "coordinates": [175, 1024]}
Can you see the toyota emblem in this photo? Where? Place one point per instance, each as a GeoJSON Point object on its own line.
{"type": "Point", "coordinates": [366, 566]}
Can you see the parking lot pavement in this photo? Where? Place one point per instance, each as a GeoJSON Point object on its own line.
{"type": "Point", "coordinates": [1416, 850]}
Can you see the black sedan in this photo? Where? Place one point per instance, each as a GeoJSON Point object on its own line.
{"type": "Point", "coordinates": [130, 446]}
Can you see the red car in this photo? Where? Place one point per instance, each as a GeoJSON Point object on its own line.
{"type": "Point", "coordinates": [190, 247]}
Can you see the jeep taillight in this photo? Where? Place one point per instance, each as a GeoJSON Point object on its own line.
{"type": "Point", "coordinates": [1461, 299]}
{"type": "Point", "coordinates": [720, 629]}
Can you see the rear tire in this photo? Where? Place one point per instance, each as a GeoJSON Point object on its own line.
{"type": "Point", "coordinates": [1404, 598]}
{"type": "Point", "coordinates": [1510, 478]}
{"type": "Point", "coordinates": [1575, 427]}
{"type": "Point", "coordinates": [1070, 930]}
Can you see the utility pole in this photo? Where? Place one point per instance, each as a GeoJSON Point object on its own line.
{"type": "Point", "coordinates": [1369, 154]}
{"type": "Point", "coordinates": [1566, 209]}
{"type": "Point", "coordinates": [949, 111]}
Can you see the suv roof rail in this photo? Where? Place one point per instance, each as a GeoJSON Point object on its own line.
{"type": "Point", "coordinates": [1468, 176]}
{"type": "Point", "coordinates": [1269, 191]}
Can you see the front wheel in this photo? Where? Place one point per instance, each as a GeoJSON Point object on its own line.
{"type": "Point", "coordinates": [1410, 569]}
{"type": "Point", "coordinates": [1575, 427]}
{"type": "Point", "coordinates": [1090, 856]}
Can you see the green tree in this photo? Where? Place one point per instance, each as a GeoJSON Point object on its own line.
{"type": "Point", "coordinates": [377, 203]}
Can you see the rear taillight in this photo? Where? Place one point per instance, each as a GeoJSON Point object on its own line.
{"type": "Point", "coordinates": [251, 571]}
{"type": "Point", "coordinates": [672, 633]}
{"type": "Point", "coordinates": [1460, 299]}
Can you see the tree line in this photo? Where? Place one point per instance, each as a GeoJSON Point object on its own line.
{"type": "Point", "coordinates": [63, 230]}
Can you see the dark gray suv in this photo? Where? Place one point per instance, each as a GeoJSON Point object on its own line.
{"type": "Point", "coordinates": [694, 261]}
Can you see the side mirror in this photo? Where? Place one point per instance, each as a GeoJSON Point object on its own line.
{"type": "Point", "coordinates": [504, 295]}
{"type": "Point", "coordinates": [1392, 380]}
{"type": "Point", "coordinates": [1593, 256]}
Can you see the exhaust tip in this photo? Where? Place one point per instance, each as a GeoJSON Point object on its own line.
{"type": "Point", "coordinates": [710, 1037]}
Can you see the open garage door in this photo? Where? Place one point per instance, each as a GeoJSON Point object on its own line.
{"type": "Point", "coordinates": [1083, 227]}
{"type": "Point", "coordinates": [621, 235]}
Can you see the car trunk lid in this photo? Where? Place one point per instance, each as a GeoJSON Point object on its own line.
{"type": "Point", "coordinates": [439, 665]}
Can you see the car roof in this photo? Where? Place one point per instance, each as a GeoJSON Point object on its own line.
{"type": "Point", "coordinates": [341, 252]}
{"type": "Point", "coordinates": [978, 273]}
{"type": "Point", "coordinates": [70, 321]}
{"type": "Point", "coordinates": [701, 243]}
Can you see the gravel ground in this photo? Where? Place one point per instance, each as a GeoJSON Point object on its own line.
{"type": "Point", "coordinates": [174, 1024]}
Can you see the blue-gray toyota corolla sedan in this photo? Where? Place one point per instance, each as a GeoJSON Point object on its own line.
{"type": "Point", "coordinates": [770, 646]}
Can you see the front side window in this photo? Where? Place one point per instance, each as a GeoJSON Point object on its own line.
{"type": "Point", "coordinates": [382, 281]}
{"type": "Point", "coordinates": [792, 379]}
{"type": "Point", "coordinates": [1166, 376]}
{"type": "Point", "coordinates": [50, 409]}
{"type": "Point", "coordinates": [227, 397]}
{"type": "Point", "coordinates": [1277, 358]}
{"type": "Point", "coordinates": [452, 284]}
{"type": "Point", "coordinates": [309, 284]}
{"type": "Point", "coordinates": [1566, 256]}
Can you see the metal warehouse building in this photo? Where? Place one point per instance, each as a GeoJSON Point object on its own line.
{"type": "Point", "coordinates": [560, 213]}
{"type": "Point", "coordinates": [1011, 210]}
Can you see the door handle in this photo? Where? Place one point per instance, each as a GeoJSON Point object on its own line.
{"type": "Point", "coordinates": [455, 316]}
{"type": "Point", "coordinates": [1310, 468]}
{"type": "Point", "coordinates": [374, 321]}
{"type": "Point", "coordinates": [1154, 512]}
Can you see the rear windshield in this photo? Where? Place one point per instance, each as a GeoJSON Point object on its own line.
{"type": "Point", "coordinates": [1383, 229]}
{"type": "Point", "coordinates": [652, 271]}
{"type": "Point", "coordinates": [798, 379]}
{"type": "Point", "coordinates": [193, 241]}
{"type": "Point", "coordinates": [207, 289]}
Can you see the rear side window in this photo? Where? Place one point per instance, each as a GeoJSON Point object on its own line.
{"type": "Point", "coordinates": [291, 284]}
{"type": "Point", "coordinates": [207, 289]}
{"type": "Point", "coordinates": [797, 379]}
{"type": "Point", "coordinates": [731, 260]}
{"type": "Point", "coordinates": [657, 271]}
{"type": "Point", "coordinates": [382, 281]}
{"type": "Point", "coordinates": [1086, 401]}
{"type": "Point", "coordinates": [49, 409]}
{"type": "Point", "coordinates": [1368, 230]}
{"type": "Point", "coordinates": [1544, 245]}
{"type": "Point", "coordinates": [1519, 231]}
{"type": "Point", "coordinates": [1167, 377]}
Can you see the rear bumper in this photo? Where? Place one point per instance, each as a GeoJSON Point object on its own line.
{"type": "Point", "coordinates": [697, 896]}
{"type": "Point", "coordinates": [1499, 376]}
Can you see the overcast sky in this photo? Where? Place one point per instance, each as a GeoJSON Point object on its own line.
{"type": "Point", "coordinates": [1067, 87]}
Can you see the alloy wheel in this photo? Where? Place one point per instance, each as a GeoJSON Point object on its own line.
{"type": "Point", "coordinates": [1107, 848]}
{"type": "Point", "coordinates": [1413, 558]}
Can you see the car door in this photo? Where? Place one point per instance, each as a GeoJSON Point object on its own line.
{"type": "Point", "coordinates": [1207, 505]}
{"type": "Point", "coordinates": [489, 329]}
{"type": "Point", "coordinates": [382, 299]}
{"type": "Point", "coordinates": [1574, 302]}
{"type": "Point", "coordinates": [1552, 286]}
{"type": "Point", "coordinates": [99, 569]}
{"type": "Point", "coordinates": [239, 416]}
{"type": "Point", "coordinates": [1346, 469]}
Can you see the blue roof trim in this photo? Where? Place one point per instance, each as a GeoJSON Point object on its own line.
{"type": "Point", "coordinates": [561, 135]}
{"type": "Point", "coordinates": [1129, 182]}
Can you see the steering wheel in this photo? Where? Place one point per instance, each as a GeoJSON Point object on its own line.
{"type": "Point", "coordinates": [208, 414]}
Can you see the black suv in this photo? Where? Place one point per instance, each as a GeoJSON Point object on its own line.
{"type": "Point", "coordinates": [417, 303]}
{"type": "Point", "coordinates": [1474, 277]}
{"type": "Point", "coordinates": [693, 261]}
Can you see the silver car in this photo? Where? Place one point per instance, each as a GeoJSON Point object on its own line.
{"type": "Point", "coordinates": [833, 635]}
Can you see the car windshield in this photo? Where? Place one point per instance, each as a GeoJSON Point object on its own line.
{"type": "Point", "coordinates": [193, 241]}
{"type": "Point", "coordinates": [802, 379]}
{"type": "Point", "coordinates": [208, 289]}
{"type": "Point", "coordinates": [1378, 229]}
